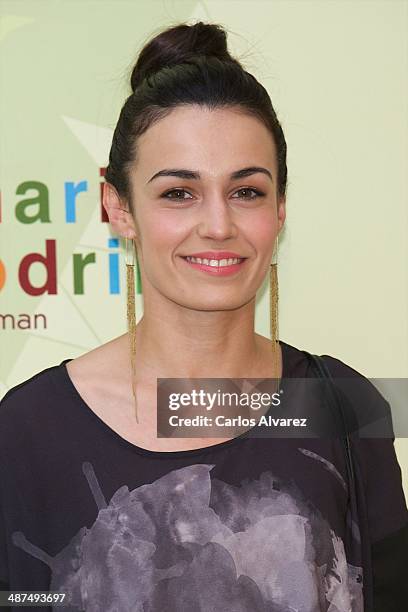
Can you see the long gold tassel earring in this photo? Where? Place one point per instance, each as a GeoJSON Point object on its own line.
{"type": "Point", "coordinates": [273, 308]}
{"type": "Point", "coordinates": [131, 310]}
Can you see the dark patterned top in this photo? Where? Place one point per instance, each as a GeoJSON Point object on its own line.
{"type": "Point", "coordinates": [246, 525]}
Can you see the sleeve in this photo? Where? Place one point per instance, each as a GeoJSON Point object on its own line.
{"type": "Point", "coordinates": [3, 548]}
{"type": "Point", "coordinates": [4, 574]}
{"type": "Point", "coordinates": [390, 571]}
{"type": "Point", "coordinates": [387, 522]}
{"type": "Point", "coordinates": [387, 511]}
{"type": "Point", "coordinates": [4, 585]}
{"type": "Point", "coordinates": [381, 473]}
{"type": "Point", "coordinates": [386, 504]}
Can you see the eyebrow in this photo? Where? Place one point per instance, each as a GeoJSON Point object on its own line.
{"type": "Point", "coordinates": [191, 174]}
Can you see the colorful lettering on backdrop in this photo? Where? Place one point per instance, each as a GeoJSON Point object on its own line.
{"type": "Point", "coordinates": [39, 202]}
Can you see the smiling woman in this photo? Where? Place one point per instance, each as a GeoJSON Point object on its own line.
{"type": "Point", "coordinates": [120, 518]}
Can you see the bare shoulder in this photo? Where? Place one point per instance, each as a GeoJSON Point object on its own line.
{"type": "Point", "coordinates": [102, 378]}
{"type": "Point", "coordinates": [101, 365]}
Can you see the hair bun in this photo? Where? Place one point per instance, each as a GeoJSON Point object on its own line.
{"type": "Point", "coordinates": [179, 44]}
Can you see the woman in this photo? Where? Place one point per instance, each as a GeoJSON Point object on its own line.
{"type": "Point", "coordinates": [94, 503]}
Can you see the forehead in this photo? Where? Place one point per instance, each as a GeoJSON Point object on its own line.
{"type": "Point", "coordinates": [213, 141]}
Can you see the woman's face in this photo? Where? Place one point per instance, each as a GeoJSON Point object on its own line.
{"type": "Point", "coordinates": [176, 216]}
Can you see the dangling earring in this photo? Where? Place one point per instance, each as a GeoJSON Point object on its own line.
{"type": "Point", "coordinates": [273, 306]}
{"type": "Point", "coordinates": [131, 310]}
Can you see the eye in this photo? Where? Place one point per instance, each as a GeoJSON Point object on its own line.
{"type": "Point", "coordinates": [245, 189]}
{"type": "Point", "coordinates": [255, 191]}
{"type": "Point", "coordinates": [165, 195]}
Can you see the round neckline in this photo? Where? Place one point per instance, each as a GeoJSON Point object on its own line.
{"type": "Point", "coordinates": [74, 393]}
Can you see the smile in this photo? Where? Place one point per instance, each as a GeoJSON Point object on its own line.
{"type": "Point", "coordinates": [218, 267]}
{"type": "Point", "coordinates": [215, 262]}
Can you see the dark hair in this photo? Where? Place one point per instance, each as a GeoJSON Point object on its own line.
{"type": "Point", "coordinates": [187, 64]}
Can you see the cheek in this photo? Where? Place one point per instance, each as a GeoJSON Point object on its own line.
{"type": "Point", "coordinates": [165, 230]}
{"type": "Point", "coordinates": [161, 231]}
{"type": "Point", "coordinates": [261, 230]}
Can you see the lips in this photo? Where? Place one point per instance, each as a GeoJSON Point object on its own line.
{"type": "Point", "coordinates": [216, 270]}
{"type": "Point", "coordinates": [210, 258]}
{"type": "Point", "coordinates": [215, 255]}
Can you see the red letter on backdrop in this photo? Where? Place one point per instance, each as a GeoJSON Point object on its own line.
{"type": "Point", "coordinates": [49, 261]}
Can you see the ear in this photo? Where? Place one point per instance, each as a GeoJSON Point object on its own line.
{"type": "Point", "coordinates": [281, 212]}
{"type": "Point", "coordinates": [117, 209]}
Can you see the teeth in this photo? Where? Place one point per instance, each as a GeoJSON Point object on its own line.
{"type": "Point", "coordinates": [215, 263]}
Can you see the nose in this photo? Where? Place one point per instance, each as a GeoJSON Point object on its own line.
{"type": "Point", "coordinates": [217, 220]}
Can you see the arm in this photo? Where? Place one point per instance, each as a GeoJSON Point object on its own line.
{"type": "Point", "coordinates": [387, 516]}
{"type": "Point", "coordinates": [387, 513]}
{"type": "Point", "coordinates": [4, 587]}
{"type": "Point", "coordinates": [390, 571]}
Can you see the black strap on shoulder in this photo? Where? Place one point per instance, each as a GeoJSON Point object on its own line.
{"type": "Point", "coordinates": [322, 370]}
